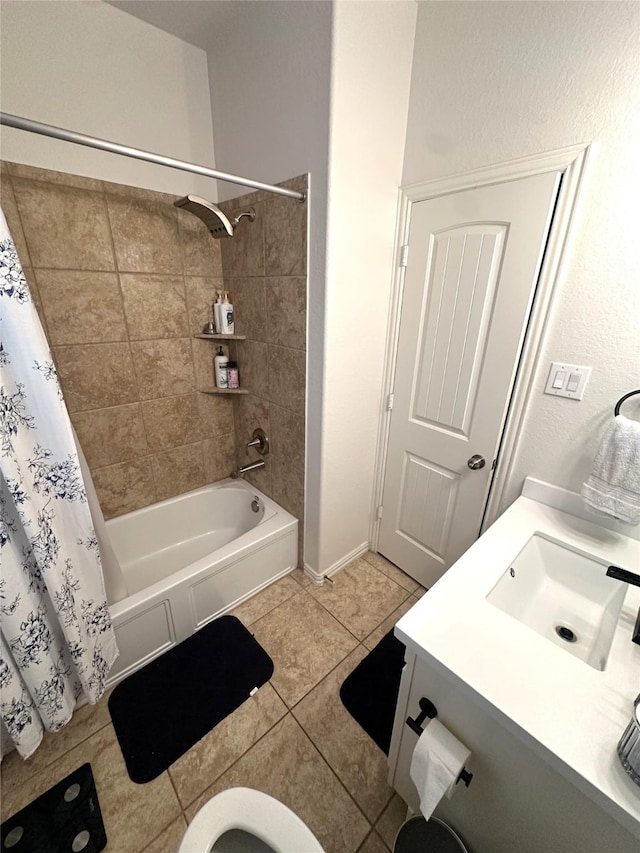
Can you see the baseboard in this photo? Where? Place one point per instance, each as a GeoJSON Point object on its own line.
{"type": "Point", "coordinates": [319, 577]}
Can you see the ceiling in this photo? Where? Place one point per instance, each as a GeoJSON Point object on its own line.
{"type": "Point", "coordinates": [197, 22]}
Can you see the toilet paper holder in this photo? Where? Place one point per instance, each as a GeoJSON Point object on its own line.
{"type": "Point", "coordinates": [428, 709]}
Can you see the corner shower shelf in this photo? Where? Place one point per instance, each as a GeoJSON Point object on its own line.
{"type": "Point", "coordinates": [222, 337]}
{"type": "Point", "coordinates": [224, 391]}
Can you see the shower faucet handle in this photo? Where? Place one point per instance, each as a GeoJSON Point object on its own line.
{"type": "Point", "coordinates": [260, 441]}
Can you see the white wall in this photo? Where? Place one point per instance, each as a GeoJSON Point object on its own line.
{"type": "Point", "coordinates": [88, 67]}
{"type": "Point", "coordinates": [371, 71]}
{"type": "Point", "coordinates": [496, 81]}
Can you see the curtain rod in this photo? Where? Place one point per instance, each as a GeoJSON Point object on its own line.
{"type": "Point", "coordinates": [104, 145]}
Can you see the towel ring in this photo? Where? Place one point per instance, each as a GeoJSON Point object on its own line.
{"type": "Point", "coordinates": [616, 411]}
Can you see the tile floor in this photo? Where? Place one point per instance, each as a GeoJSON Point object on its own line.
{"type": "Point", "coordinates": [293, 739]}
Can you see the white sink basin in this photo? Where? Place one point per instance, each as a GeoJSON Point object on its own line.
{"type": "Point", "coordinates": [563, 595]}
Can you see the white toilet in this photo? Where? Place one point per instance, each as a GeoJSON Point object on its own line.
{"type": "Point", "coordinates": [242, 820]}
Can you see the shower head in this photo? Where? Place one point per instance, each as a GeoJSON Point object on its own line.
{"type": "Point", "coordinates": [218, 224]}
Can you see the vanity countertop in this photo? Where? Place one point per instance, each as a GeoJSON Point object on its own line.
{"type": "Point", "coordinates": [571, 714]}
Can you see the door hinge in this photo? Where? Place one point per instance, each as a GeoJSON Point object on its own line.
{"type": "Point", "coordinates": [404, 256]}
{"type": "Point", "coordinates": [494, 464]}
{"type": "Point", "coordinates": [379, 514]}
{"type": "Point", "coordinates": [389, 402]}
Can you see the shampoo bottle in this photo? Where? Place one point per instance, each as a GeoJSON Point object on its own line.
{"type": "Point", "coordinates": [217, 314]}
{"type": "Point", "coordinates": [220, 369]}
{"type": "Point", "coordinates": [226, 310]}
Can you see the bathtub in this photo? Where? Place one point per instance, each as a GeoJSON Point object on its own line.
{"type": "Point", "coordinates": [191, 558]}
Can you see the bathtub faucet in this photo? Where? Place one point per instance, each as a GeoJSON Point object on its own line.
{"type": "Point", "coordinates": [242, 470]}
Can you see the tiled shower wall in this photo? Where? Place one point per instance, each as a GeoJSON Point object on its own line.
{"type": "Point", "coordinates": [265, 271]}
{"type": "Point", "coordinates": [123, 280]}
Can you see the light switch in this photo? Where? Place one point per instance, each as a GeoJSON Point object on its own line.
{"type": "Point", "coordinates": [567, 380]}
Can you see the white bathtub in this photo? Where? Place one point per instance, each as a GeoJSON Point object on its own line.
{"type": "Point", "coordinates": [191, 558]}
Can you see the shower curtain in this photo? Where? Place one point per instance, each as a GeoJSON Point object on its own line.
{"type": "Point", "coordinates": [56, 638]}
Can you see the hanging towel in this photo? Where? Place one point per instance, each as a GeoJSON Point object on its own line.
{"type": "Point", "coordinates": [613, 487]}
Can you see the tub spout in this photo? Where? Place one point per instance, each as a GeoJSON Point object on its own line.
{"type": "Point", "coordinates": [242, 470]}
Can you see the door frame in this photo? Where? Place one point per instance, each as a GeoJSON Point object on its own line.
{"type": "Point", "coordinates": [572, 163]}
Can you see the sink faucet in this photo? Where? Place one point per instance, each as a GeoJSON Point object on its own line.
{"type": "Point", "coordinates": [628, 577]}
{"type": "Point", "coordinates": [259, 463]}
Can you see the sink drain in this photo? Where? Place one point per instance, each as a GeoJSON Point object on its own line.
{"type": "Point", "coordinates": [566, 634]}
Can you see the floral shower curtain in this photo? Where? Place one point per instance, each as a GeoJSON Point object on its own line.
{"type": "Point", "coordinates": [56, 638]}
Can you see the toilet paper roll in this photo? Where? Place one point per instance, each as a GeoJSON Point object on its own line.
{"type": "Point", "coordinates": [436, 763]}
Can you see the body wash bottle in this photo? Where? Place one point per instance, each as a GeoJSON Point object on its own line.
{"type": "Point", "coordinates": [220, 369]}
{"type": "Point", "coordinates": [226, 310]}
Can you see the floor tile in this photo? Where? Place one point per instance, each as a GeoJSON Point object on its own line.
{"type": "Point", "coordinates": [373, 844]}
{"type": "Point", "coordinates": [391, 820]}
{"type": "Point", "coordinates": [168, 841]}
{"type": "Point", "coordinates": [259, 605]}
{"type": "Point", "coordinates": [286, 765]}
{"type": "Point", "coordinates": [85, 722]}
{"type": "Point", "coordinates": [216, 752]}
{"type": "Point", "coordinates": [305, 643]}
{"type": "Point", "coordinates": [132, 814]}
{"type": "Point", "coordinates": [387, 568]}
{"type": "Point", "coordinates": [360, 765]}
{"type": "Point", "coordinates": [360, 597]}
{"type": "Point", "coordinates": [301, 577]}
{"type": "Point", "coordinates": [384, 627]}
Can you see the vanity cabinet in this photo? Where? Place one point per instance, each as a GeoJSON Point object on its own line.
{"type": "Point", "coordinates": [516, 802]}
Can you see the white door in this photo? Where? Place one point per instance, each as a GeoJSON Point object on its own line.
{"type": "Point", "coordinates": [474, 259]}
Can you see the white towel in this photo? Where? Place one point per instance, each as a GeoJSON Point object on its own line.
{"type": "Point", "coordinates": [613, 487]}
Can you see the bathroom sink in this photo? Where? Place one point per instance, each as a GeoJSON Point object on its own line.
{"type": "Point", "coordinates": [563, 595]}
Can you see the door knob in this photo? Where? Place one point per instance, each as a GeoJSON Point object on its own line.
{"type": "Point", "coordinates": [476, 462]}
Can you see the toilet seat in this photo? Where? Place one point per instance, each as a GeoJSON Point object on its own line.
{"type": "Point", "coordinates": [254, 812]}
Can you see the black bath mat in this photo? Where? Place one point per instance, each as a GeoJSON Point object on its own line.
{"type": "Point", "coordinates": [66, 813]}
{"type": "Point", "coordinates": [162, 710]}
{"type": "Point", "coordinates": [370, 692]}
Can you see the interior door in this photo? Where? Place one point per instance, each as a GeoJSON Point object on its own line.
{"type": "Point", "coordinates": [473, 263]}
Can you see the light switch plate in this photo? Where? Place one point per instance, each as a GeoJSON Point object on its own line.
{"type": "Point", "coordinates": [567, 380]}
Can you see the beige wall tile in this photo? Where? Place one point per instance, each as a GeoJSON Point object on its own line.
{"type": "Point", "coordinates": [287, 436]}
{"type": "Point", "coordinates": [261, 477]}
{"type": "Point", "coordinates": [216, 752]}
{"type": "Point", "coordinates": [109, 436]}
{"type": "Point", "coordinates": [299, 665]}
{"type": "Point", "coordinates": [10, 210]}
{"type": "Point", "coordinates": [82, 307]}
{"type": "Point", "coordinates": [95, 376]}
{"type": "Point", "coordinates": [357, 761]}
{"type": "Point", "coordinates": [243, 254]}
{"type": "Point", "coordinates": [124, 487]}
{"type": "Point", "coordinates": [145, 232]}
{"type": "Point", "coordinates": [250, 412]}
{"type": "Point", "coordinates": [155, 306]}
{"type": "Point", "coordinates": [287, 378]}
{"type": "Point", "coordinates": [215, 413]}
{"type": "Point", "coordinates": [287, 311]}
{"type": "Point", "coordinates": [253, 367]}
{"type": "Point", "coordinates": [201, 253]}
{"type": "Point", "coordinates": [287, 486]}
{"type": "Point", "coordinates": [219, 457]}
{"type": "Point", "coordinates": [285, 236]}
{"type": "Point", "coordinates": [250, 306]}
{"type": "Point", "coordinates": [163, 368]}
{"type": "Point", "coordinates": [35, 173]}
{"type": "Point", "coordinates": [203, 354]}
{"type": "Point", "coordinates": [65, 227]}
{"type": "Point", "coordinates": [171, 421]}
{"type": "Point", "coordinates": [132, 814]}
{"type": "Point", "coordinates": [30, 277]}
{"type": "Point", "coordinates": [178, 470]}
{"type": "Point", "coordinates": [286, 765]}
{"type": "Point", "coordinates": [360, 597]}
{"type": "Point", "coordinates": [201, 294]}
